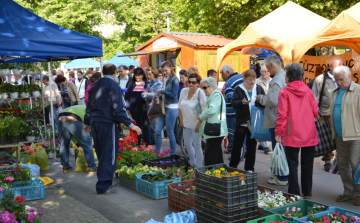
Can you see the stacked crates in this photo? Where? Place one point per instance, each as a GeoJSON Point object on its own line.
{"type": "Point", "coordinates": [225, 199]}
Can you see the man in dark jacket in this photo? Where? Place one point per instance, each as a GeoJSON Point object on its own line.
{"type": "Point", "coordinates": [104, 112]}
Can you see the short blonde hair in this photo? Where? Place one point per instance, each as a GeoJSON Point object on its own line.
{"type": "Point", "coordinates": [192, 70]}
{"type": "Point", "coordinates": [249, 73]}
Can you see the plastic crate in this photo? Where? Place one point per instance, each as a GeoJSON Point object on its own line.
{"type": "Point", "coordinates": [345, 212]}
{"type": "Point", "coordinates": [165, 162]}
{"type": "Point", "coordinates": [207, 211]}
{"type": "Point", "coordinates": [127, 182]}
{"type": "Point", "coordinates": [271, 190]}
{"type": "Point", "coordinates": [305, 205]}
{"type": "Point", "coordinates": [228, 191]}
{"type": "Point", "coordinates": [33, 191]}
{"type": "Point", "coordinates": [179, 201]}
{"type": "Point", "coordinates": [269, 218]}
{"type": "Point", "coordinates": [155, 190]}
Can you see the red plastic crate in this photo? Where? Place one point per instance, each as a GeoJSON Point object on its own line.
{"type": "Point", "coordinates": [179, 201]}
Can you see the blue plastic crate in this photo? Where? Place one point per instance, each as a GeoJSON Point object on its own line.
{"type": "Point", "coordinates": [345, 212]}
{"type": "Point", "coordinates": [155, 190]}
{"type": "Point", "coordinates": [34, 189]}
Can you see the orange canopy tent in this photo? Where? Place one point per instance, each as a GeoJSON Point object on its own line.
{"type": "Point", "coordinates": [344, 30]}
{"type": "Point", "coordinates": [277, 31]}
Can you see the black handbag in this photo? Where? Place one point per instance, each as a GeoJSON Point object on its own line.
{"type": "Point", "coordinates": [214, 129]}
{"type": "Point", "coordinates": [157, 107]}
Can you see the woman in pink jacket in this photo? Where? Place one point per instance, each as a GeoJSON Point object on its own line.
{"type": "Point", "coordinates": [296, 112]}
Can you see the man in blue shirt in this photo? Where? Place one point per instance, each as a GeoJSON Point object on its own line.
{"type": "Point", "coordinates": [104, 112]}
{"type": "Point", "coordinates": [345, 126]}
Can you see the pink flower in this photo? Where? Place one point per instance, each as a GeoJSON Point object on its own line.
{"type": "Point", "coordinates": [31, 217]}
{"type": "Point", "coordinates": [9, 179]}
{"type": "Point", "coordinates": [59, 139]}
{"type": "Point", "coordinates": [141, 146]}
{"type": "Point", "coordinates": [293, 209]}
{"type": "Point", "coordinates": [1, 190]}
{"type": "Point", "coordinates": [121, 148]}
{"type": "Point", "coordinates": [135, 149]}
{"type": "Point", "coordinates": [194, 176]}
{"type": "Point", "coordinates": [32, 209]}
{"type": "Point", "coordinates": [180, 175]}
{"type": "Point", "coordinates": [178, 170]}
{"type": "Point", "coordinates": [41, 213]}
{"type": "Point", "coordinates": [169, 151]}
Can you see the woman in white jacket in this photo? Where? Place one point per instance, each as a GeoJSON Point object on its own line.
{"type": "Point", "coordinates": [81, 84]}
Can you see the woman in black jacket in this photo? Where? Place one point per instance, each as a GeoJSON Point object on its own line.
{"type": "Point", "coordinates": [244, 97]}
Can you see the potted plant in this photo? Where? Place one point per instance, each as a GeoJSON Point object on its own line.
{"type": "Point", "coordinates": [4, 69]}
{"type": "Point", "coordinates": [4, 125]}
{"type": "Point", "coordinates": [15, 128]}
{"type": "Point", "coordinates": [23, 90]}
{"type": "Point", "coordinates": [29, 132]}
{"type": "Point", "coordinates": [35, 90]}
{"type": "Point", "coordinates": [28, 68]}
{"type": "Point", "coordinates": [15, 68]}
{"type": "Point", "coordinates": [6, 88]}
{"type": "Point", "coordinates": [14, 91]}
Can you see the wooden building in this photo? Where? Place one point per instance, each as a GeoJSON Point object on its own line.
{"type": "Point", "coordinates": [188, 49]}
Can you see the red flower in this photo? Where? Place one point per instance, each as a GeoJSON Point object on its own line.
{"type": "Point", "coordinates": [119, 158]}
{"type": "Point", "coordinates": [129, 147]}
{"type": "Point", "coordinates": [20, 199]}
{"type": "Point", "coordinates": [141, 150]}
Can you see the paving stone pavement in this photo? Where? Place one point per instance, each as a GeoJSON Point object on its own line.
{"type": "Point", "coordinates": [59, 207]}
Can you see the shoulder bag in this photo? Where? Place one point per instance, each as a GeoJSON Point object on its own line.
{"type": "Point", "coordinates": [156, 107]}
{"type": "Point", "coordinates": [214, 129]}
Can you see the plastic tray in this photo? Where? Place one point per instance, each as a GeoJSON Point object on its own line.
{"type": "Point", "coordinates": [179, 201]}
{"type": "Point", "coordinates": [345, 212]}
{"type": "Point", "coordinates": [173, 160]}
{"type": "Point", "coordinates": [155, 190]}
{"type": "Point", "coordinates": [269, 218]}
{"type": "Point", "coordinates": [33, 191]}
{"type": "Point", "coordinates": [271, 190]}
{"type": "Point", "coordinates": [305, 205]}
{"type": "Point", "coordinates": [209, 212]}
{"type": "Point", "coordinates": [128, 183]}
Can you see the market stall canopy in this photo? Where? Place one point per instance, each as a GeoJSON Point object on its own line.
{"type": "Point", "coordinates": [26, 37]}
{"type": "Point", "coordinates": [344, 30]}
{"type": "Point", "coordinates": [117, 60]}
{"type": "Point", "coordinates": [82, 63]}
{"type": "Point", "coordinates": [277, 31]}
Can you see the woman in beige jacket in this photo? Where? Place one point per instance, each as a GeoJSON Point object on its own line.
{"type": "Point", "coordinates": [68, 92]}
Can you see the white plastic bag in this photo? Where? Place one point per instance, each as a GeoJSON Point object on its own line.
{"type": "Point", "coordinates": [278, 164]}
{"type": "Point", "coordinates": [58, 110]}
{"type": "Point", "coordinates": [34, 169]}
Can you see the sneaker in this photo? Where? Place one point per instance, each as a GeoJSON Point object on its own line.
{"type": "Point", "coordinates": [260, 148]}
{"type": "Point", "coordinates": [273, 176]}
{"type": "Point", "coordinates": [267, 150]}
{"type": "Point", "coordinates": [277, 182]}
{"type": "Point", "coordinates": [110, 191]}
{"type": "Point", "coordinates": [67, 169]}
{"type": "Point", "coordinates": [343, 197]}
{"type": "Point", "coordinates": [93, 170]}
{"type": "Point", "coordinates": [327, 166]}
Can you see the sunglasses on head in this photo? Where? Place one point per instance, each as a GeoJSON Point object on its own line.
{"type": "Point", "coordinates": [205, 87]}
{"type": "Point", "coordinates": [192, 82]}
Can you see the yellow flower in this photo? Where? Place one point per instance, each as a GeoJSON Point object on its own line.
{"type": "Point", "coordinates": [208, 172]}
{"type": "Point", "coordinates": [218, 175]}
{"type": "Point", "coordinates": [236, 172]}
{"type": "Point", "coordinates": [28, 163]}
{"type": "Point", "coordinates": [241, 173]}
{"type": "Point", "coordinates": [222, 169]}
{"type": "Point", "coordinates": [241, 178]}
{"type": "Point", "coordinates": [20, 164]}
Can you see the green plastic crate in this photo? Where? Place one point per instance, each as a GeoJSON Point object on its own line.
{"type": "Point", "coordinates": [267, 219]}
{"type": "Point", "coordinates": [305, 205]}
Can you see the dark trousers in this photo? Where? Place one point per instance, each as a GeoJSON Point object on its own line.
{"type": "Point", "coordinates": [307, 163]}
{"type": "Point", "coordinates": [144, 125]}
{"type": "Point", "coordinates": [239, 136]}
{"type": "Point", "coordinates": [106, 138]}
{"type": "Point", "coordinates": [213, 152]}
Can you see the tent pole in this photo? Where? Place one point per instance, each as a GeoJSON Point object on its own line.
{"type": "Point", "coordinates": [51, 108]}
{"type": "Point", "coordinates": [101, 65]}
{"type": "Point", "coordinates": [42, 101]}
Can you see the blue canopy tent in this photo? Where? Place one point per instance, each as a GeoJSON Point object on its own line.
{"type": "Point", "coordinates": [82, 63]}
{"type": "Point", "coordinates": [117, 61]}
{"type": "Point", "coordinates": [26, 37]}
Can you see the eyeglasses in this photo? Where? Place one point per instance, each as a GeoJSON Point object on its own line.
{"type": "Point", "coordinates": [160, 75]}
{"type": "Point", "coordinates": [205, 87]}
{"type": "Point", "coordinates": [192, 82]}
{"type": "Point", "coordinates": [263, 71]}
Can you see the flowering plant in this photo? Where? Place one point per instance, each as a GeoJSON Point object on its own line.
{"type": "Point", "coordinates": [276, 199]}
{"type": "Point", "coordinates": [14, 175]}
{"type": "Point", "coordinates": [296, 211]}
{"type": "Point", "coordinates": [335, 217]}
{"type": "Point", "coordinates": [131, 172]}
{"type": "Point", "coordinates": [222, 172]}
{"type": "Point", "coordinates": [183, 172]}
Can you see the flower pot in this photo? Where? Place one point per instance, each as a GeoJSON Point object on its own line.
{"type": "Point", "coordinates": [30, 138]}
{"type": "Point", "coordinates": [36, 94]}
{"type": "Point", "coordinates": [4, 72]}
{"type": "Point", "coordinates": [4, 96]}
{"type": "Point", "coordinates": [51, 155]}
{"type": "Point", "coordinates": [16, 71]}
{"type": "Point", "coordinates": [14, 139]}
{"type": "Point", "coordinates": [72, 151]}
{"type": "Point", "coordinates": [14, 95]}
{"type": "Point", "coordinates": [24, 95]}
{"type": "Point", "coordinates": [3, 141]}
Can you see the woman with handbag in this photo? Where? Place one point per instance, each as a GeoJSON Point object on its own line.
{"type": "Point", "coordinates": [192, 102]}
{"type": "Point", "coordinates": [137, 106]}
{"type": "Point", "coordinates": [171, 107]}
{"type": "Point", "coordinates": [296, 111]}
{"type": "Point", "coordinates": [212, 122]}
{"type": "Point", "coordinates": [154, 85]}
{"type": "Point", "coordinates": [68, 92]}
{"type": "Point", "coordinates": [243, 99]}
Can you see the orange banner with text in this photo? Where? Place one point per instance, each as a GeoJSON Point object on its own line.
{"type": "Point", "coordinates": [350, 59]}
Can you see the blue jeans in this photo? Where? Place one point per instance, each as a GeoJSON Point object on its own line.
{"type": "Point", "coordinates": [68, 129]}
{"type": "Point", "coordinates": [67, 104]}
{"type": "Point", "coordinates": [193, 146]}
{"type": "Point", "coordinates": [273, 143]}
{"type": "Point", "coordinates": [231, 122]}
{"type": "Point", "coordinates": [82, 100]}
{"type": "Point", "coordinates": [47, 116]}
{"type": "Point", "coordinates": [168, 120]}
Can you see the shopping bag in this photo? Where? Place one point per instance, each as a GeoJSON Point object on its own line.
{"type": "Point", "coordinates": [58, 110]}
{"type": "Point", "coordinates": [357, 176]}
{"type": "Point", "coordinates": [334, 166]}
{"type": "Point", "coordinates": [34, 169]}
{"type": "Point", "coordinates": [81, 164]}
{"type": "Point", "coordinates": [278, 163]}
{"type": "Point", "coordinates": [41, 158]}
{"type": "Point", "coordinates": [257, 130]}
{"type": "Point", "coordinates": [326, 144]}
